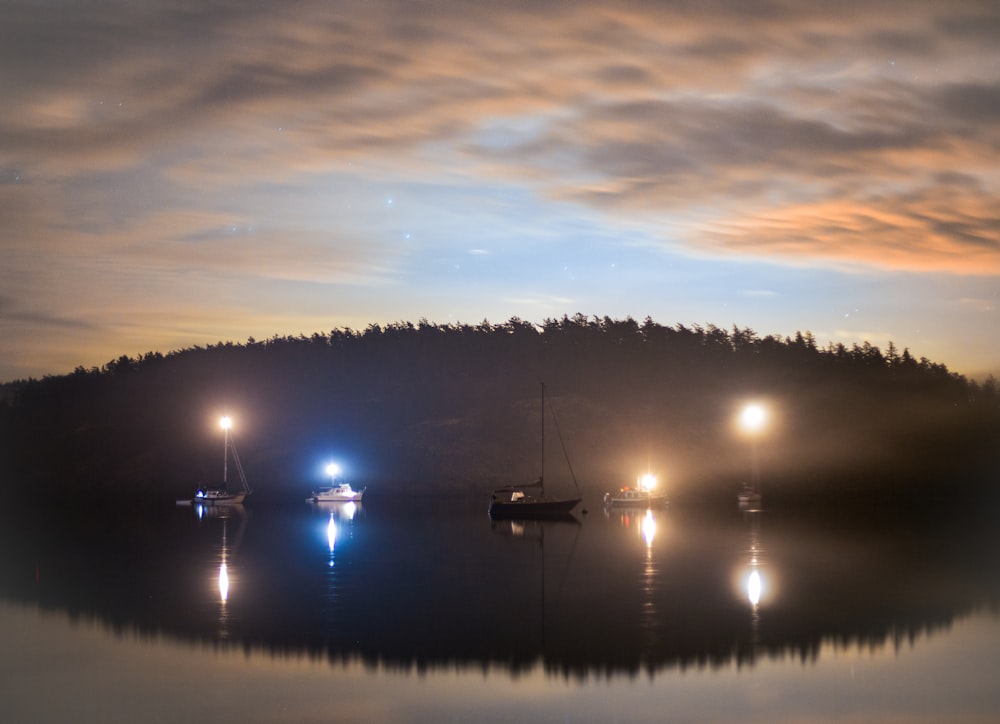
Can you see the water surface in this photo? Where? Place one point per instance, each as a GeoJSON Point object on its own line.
{"type": "Point", "coordinates": [414, 611]}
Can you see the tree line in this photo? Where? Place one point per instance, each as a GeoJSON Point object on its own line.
{"type": "Point", "coordinates": [430, 407]}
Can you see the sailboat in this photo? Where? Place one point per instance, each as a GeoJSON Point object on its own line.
{"type": "Point", "coordinates": [529, 500]}
{"type": "Point", "coordinates": [749, 494]}
{"type": "Point", "coordinates": [222, 495]}
{"type": "Point", "coordinates": [752, 420]}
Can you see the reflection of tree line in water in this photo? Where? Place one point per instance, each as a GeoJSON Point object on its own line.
{"type": "Point", "coordinates": [457, 405]}
{"type": "Point", "coordinates": [416, 588]}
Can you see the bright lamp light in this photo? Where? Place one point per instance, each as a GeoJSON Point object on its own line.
{"type": "Point", "coordinates": [753, 417]}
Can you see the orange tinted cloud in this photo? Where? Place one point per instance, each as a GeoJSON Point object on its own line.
{"type": "Point", "coordinates": [860, 135]}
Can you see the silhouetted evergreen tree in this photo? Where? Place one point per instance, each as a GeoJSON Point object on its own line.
{"type": "Point", "coordinates": [455, 406]}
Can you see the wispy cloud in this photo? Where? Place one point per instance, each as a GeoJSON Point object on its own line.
{"type": "Point", "coordinates": [261, 140]}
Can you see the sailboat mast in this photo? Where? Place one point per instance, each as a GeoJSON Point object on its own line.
{"type": "Point", "coordinates": [541, 477]}
{"type": "Point", "coordinates": [226, 422]}
{"type": "Point", "coordinates": [225, 458]}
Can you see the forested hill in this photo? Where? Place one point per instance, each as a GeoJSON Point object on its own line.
{"type": "Point", "coordinates": [428, 408]}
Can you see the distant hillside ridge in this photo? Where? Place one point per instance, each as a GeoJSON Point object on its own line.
{"type": "Point", "coordinates": [427, 408]}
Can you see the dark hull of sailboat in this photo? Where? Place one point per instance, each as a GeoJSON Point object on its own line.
{"type": "Point", "coordinates": [220, 499]}
{"type": "Point", "coordinates": [533, 508]}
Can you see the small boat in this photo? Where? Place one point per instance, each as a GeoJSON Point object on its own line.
{"type": "Point", "coordinates": [218, 496]}
{"type": "Point", "coordinates": [222, 495]}
{"type": "Point", "coordinates": [643, 495]}
{"type": "Point", "coordinates": [749, 495]}
{"type": "Point", "coordinates": [521, 501]}
{"type": "Point", "coordinates": [339, 493]}
{"type": "Point", "coordinates": [513, 501]}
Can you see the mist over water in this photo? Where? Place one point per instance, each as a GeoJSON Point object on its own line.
{"type": "Point", "coordinates": [456, 409]}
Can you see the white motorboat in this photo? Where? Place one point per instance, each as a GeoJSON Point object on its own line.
{"type": "Point", "coordinates": [339, 493]}
{"type": "Point", "coordinates": [643, 495]}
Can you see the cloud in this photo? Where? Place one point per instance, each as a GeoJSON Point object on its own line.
{"type": "Point", "coordinates": [931, 229]}
{"type": "Point", "coordinates": [134, 135]}
{"type": "Point", "coordinates": [287, 254]}
{"type": "Point", "coordinates": [40, 320]}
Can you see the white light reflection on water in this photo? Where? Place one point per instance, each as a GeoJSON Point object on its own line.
{"type": "Point", "coordinates": [651, 621]}
{"type": "Point", "coordinates": [338, 530]}
{"type": "Point", "coordinates": [223, 579]}
{"type": "Point", "coordinates": [754, 580]}
{"type": "Point", "coordinates": [107, 677]}
{"type": "Point", "coordinates": [753, 587]}
{"type": "Point", "coordinates": [649, 528]}
{"type": "Point", "coordinates": [223, 583]}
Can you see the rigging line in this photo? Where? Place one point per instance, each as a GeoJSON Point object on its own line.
{"type": "Point", "coordinates": [239, 466]}
{"type": "Point", "coordinates": [541, 475]}
{"type": "Point", "coordinates": [569, 560]}
{"type": "Point", "coordinates": [563, 444]}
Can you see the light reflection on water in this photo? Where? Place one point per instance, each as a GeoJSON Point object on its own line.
{"type": "Point", "coordinates": [651, 582]}
{"type": "Point", "coordinates": [604, 605]}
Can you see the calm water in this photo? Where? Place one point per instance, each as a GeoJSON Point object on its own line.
{"type": "Point", "coordinates": [423, 612]}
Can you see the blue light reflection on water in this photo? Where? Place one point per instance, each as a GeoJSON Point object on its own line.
{"type": "Point", "coordinates": [429, 615]}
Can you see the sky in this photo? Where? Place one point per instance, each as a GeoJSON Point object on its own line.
{"type": "Point", "coordinates": [177, 173]}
